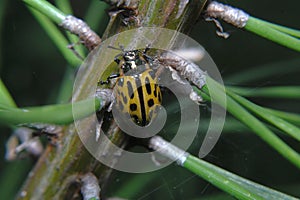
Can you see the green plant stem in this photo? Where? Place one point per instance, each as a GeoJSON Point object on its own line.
{"type": "Point", "coordinates": [65, 6]}
{"type": "Point", "coordinates": [57, 37]}
{"type": "Point", "coordinates": [291, 117]}
{"type": "Point", "coordinates": [12, 177]}
{"type": "Point", "coordinates": [291, 92]}
{"type": "Point", "coordinates": [283, 29]}
{"type": "Point", "coordinates": [262, 29]}
{"type": "Point", "coordinates": [66, 87]}
{"type": "Point", "coordinates": [47, 9]}
{"type": "Point", "coordinates": [43, 11]}
{"type": "Point", "coordinates": [12, 174]}
{"type": "Point", "coordinates": [5, 97]}
{"type": "Point", "coordinates": [283, 125]}
{"type": "Point", "coordinates": [235, 185]}
{"type": "Point", "coordinates": [253, 123]}
{"type": "Point", "coordinates": [53, 114]}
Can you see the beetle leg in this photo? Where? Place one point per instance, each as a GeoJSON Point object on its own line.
{"type": "Point", "coordinates": [108, 79]}
{"type": "Point", "coordinates": [148, 58]}
{"type": "Point", "coordinates": [144, 53]}
{"type": "Point", "coordinates": [117, 60]}
{"type": "Point", "coordinates": [146, 49]}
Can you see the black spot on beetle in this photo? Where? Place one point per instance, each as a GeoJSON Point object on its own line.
{"type": "Point", "coordinates": [135, 118]}
{"type": "Point", "coordinates": [130, 90]}
{"type": "Point", "coordinates": [148, 86]}
{"type": "Point", "coordinates": [121, 82]}
{"type": "Point", "coordinates": [142, 103]}
{"type": "Point", "coordinates": [133, 107]}
{"type": "Point", "coordinates": [150, 102]}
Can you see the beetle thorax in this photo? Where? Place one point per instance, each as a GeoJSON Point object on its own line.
{"type": "Point", "coordinates": [131, 61]}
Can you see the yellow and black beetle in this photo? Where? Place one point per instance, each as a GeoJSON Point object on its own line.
{"type": "Point", "coordinates": [136, 89]}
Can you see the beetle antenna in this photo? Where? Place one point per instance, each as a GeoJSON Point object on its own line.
{"type": "Point", "coordinates": [121, 48]}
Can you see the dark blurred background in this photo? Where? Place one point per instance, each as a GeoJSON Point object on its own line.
{"type": "Point", "coordinates": [32, 69]}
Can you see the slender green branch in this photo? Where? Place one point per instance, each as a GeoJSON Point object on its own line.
{"type": "Point", "coordinates": [53, 114]}
{"type": "Point", "coordinates": [56, 15]}
{"type": "Point", "coordinates": [65, 6]}
{"type": "Point", "coordinates": [291, 117]}
{"type": "Point", "coordinates": [283, 29]}
{"type": "Point", "coordinates": [13, 174]}
{"type": "Point", "coordinates": [262, 29]}
{"type": "Point", "coordinates": [261, 112]}
{"type": "Point", "coordinates": [12, 177]}
{"type": "Point", "coordinates": [253, 123]}
{"type": "Point", "coordinates": [57, 37]}
{"type": "Point", "coordinates": [5, 97]}
{"type": "Point", "coordinates": [235, 185]}
{"type": "Point", "coordinates": [47, 9]}
{"type": "Point", "coordinates": [291, 92]}
{"type": "Point", "coordinates": [66, 86]}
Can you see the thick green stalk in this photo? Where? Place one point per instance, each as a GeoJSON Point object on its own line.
{"type": "Point", "coordinates": [237, 186]}
{"type": "Point", "coordinates": [57, 37]}
{"type": "Point", "coordinates": [47, 9]}
{"type": "Point", "coordinates": [259, 27]}
{"type": "Point", "coordinates": [66, 87]}
{"type": "Point", "coordinates": [5, 97]}
{"type": "Point", "coordinates": [284, 29]}
{"type": "Point", "coordinates": [52, 114]}
{"type": "Point", "coordinates": [65, 6]}
{"type": "Point", "coordinates": [289, 92]}
{"type": "Point", "coordinates": [283, 125]}
{"type": "Point", "coordinates": [291, 117]}
{"type": "Point", "coordinates": [254, 124]}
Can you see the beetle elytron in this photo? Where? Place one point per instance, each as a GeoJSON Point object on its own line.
{"type": "Point", "coordinates": [136, 89]}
